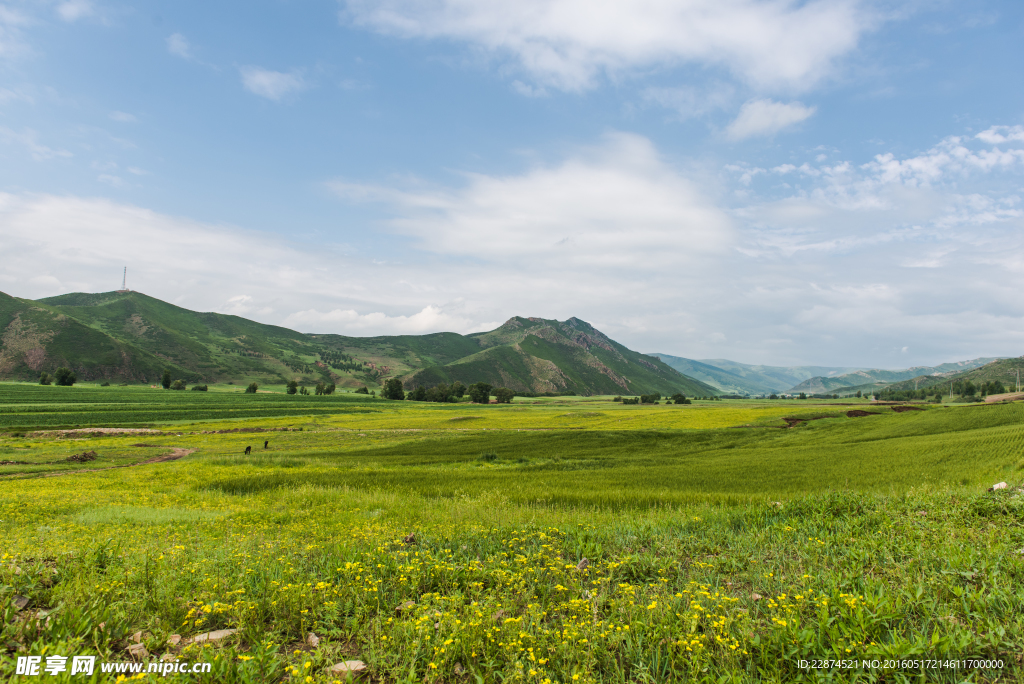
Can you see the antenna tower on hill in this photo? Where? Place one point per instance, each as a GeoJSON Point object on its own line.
{"type": "Point", "coordinates": [124, 281]}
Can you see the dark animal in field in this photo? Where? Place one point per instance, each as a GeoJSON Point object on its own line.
{"type": "Point", "coordinates": [266, 443]}
{"type": "Point", "coordinates": [248, 450]}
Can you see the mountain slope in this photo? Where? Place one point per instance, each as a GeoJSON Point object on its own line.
{"type": "Point", "coordinates": [540, 355]}
{"type": "Point", "coordinates": [879, 377]}
{"type": "Point", "coordinates": [777, 378]}
{"type": "Point", "coordinates": [723, 380]}
{"type": "Point", "coordinates": [36, 338]}
{"type": "Point", "coordinates": [129, 336]}
{"type": "Point", "coordinates": [1004, 370]}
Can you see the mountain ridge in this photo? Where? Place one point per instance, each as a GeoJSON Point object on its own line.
{"type": "Point", "coordinates": [132, 337]}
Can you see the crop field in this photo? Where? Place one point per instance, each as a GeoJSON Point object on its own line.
{"type": "Point", "coordinates": [550, 540]}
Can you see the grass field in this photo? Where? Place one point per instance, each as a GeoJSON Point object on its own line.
{"type": "Point", "coordinates": [722, 542]}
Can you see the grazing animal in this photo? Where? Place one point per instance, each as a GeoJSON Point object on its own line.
{"type": "Point", "coordinates": [248, 450]}
{"type": "Point", "coordinates": [265, 443]}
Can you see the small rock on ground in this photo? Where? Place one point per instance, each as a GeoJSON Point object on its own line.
{"type": "Point", "coordinates": [348, 668]}
{"type": "Point", "coordinates": [312, 640]}
{"type": "Point", "coordinates": [213, 636]}
{"type": "Point", "coordinates": [20, 602]}
{"type": "Point", "coordinates": [1000, 485]}
{"type": "Point", "coordinates": [174, 640]}
{"type": "Point", "coordinates": [138, 651]}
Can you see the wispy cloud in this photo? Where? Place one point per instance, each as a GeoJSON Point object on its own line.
{"type": "Point", "coordinates": [567, 44]}
{"type": "Point", "coordinates": [28, 139]}
{"type": "Point", "coordinates": [766, 117]}
{"type": "Point", "coordinates": [272, 85]}
{"type": "Point", "coordinates": [73, 10]}
{"type": "Point", "coordinates": [122, 117]}
{"type": "Point", "coordinates": [179, 46]}
{"type": "Point", "coordinates": [616, 205]}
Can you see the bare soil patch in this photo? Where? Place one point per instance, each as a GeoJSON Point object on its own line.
{"type": "Point", "coordinates": [902, 409]}
{"type": "Point", "coordinates": [859, 413]}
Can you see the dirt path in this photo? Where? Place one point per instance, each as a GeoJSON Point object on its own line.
{"type": "Point", "coordinates": [173, 455]}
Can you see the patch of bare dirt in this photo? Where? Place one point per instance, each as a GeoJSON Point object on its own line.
{"type": "Point", "coordinates": [173, 455]}
{"type": "Point", "coordinates": [859, 414]}
{"type": "Point", "coordinates": [93, 432]}
{"type": "Point", "coordinates": [902, 409]}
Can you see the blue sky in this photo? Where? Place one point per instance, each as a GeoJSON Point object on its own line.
{"type": "Point", "coordinates": [773, 182]}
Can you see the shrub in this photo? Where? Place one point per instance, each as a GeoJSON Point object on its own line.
{"type": "Point", "coordinates": [489, 457]}
{"type": "Point", "coordinates": [251, 389]}
{"type": "Point", "coordinates": [362, 390]}
{"type": "Point", "coordinates": [617, 399]}
{"type": "Point", "coordinates": [64, 377]}
{"type": "Point", "coordinates": [393, 389]}
{"type": "Point", "coordinates": [292, 387]}
{"type": "Point", "coordinates": [104, 384]}
{"type": "Point", "coordinates": [480, 393]}
{"type": "Point", "coordinates": [458, 389]}
{"type": "Point", "coordinates": [649, 398]}
{"type": "Point", "coordinates": [418, 394]}
{"type": "Point", "coordinates": [329, 389]}
{"type": "Point", "coordinates": [178, 385]}
{"type": "Point", "coordinates": [199, 388]}
{"type": "Point", "coordinates": [45, 379]}
{"type": "Point", "coordinates": [504, 395]}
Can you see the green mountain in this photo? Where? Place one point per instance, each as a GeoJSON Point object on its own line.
{"type": "Point", "coordinates": [1005, 370]}
{"type": "Point", "coordinates": [131, 337]}
{"type": "Point", "coordinates": [723, 380]}
{"type": "Point", "coordinates": [539, 355]}
{"type": "Point", "coordinates": [776, 378]}
{"type": "Point", "coordinates": [876, 378]}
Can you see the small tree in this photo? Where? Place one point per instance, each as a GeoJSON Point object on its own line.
{"type": "Point", "coordinates": [329, 389]}
{"type": "Point", "coordinates": [64, 377]}
{"type": "Point", "coordinates": [199, 388]}
{"type": "Point", "coordinates": [165, 380]}
{"type": "Point", "coordinates": [480, 393]}
{"type": "Point", "coordinates": [251, 389]}
{"type": "Point", "coordinates": [178, 385]}
{"type": "Point", "coordinates": [458, 389]}
{"type": "Point", "coordinates": [292, 387]}
{"type": "Point", "coordinates": [319, 389]}
{"type": "Point", "coordinates": [858, 394]}
{"type": "Point", "coordinates": [803, 395]}
{"type": "Point", "coordinates": [418, 394]}
{"type": "Point", "coordinates": [45, 379]}
{"type": "Point", "coordinates": [393, 389]}
{"type": "Point", "coordinates": [362, 390]}
{"type": "Point", "coordinates": [303, 391]}
{"type": "Point", "coordinates": [504, 395]}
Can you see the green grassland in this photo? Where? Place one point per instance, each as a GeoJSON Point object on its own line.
{"type": "Point", "coordinates": [724, 543]}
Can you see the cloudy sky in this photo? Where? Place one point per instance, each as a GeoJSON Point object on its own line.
{"type": "Point", "coordinates": [788, 182]}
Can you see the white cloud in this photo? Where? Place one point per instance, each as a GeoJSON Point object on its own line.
{"type": "Point", "coordinates": [618, 205]}
{"type": "Point", "coordinates": [28, 139]}
{"type": "Point", "coordinates": [766, 117]}
{"type": "Point", "coordinates": [568, 43]}
{"type": "Point", "coordinates": [122, 117]}
{"type": "Point", "coordinates": [1001, 134]}
{"type": "Point", "coordinates": [688, 102]}
{"type": "Point", "coordinates": [73, 10]}
{"type": "Point", "coordinates": [272, 85]}
{"type": "Point", "coordinates": [429, 319]}
{"type": "Point", "coordinates": [179, 46]}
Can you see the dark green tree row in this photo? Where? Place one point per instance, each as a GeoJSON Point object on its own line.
{"type": "Point", "coordinates": [65, 377]}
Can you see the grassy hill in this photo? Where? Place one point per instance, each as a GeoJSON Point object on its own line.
{"type": "Point", "coordinates": [540, 355]}
{"type": "Point", "coordinates": [723, 380]}
{"type": "Point", "coordinates": [131, 337]}
{"type": "Point", "coordinates": [775, 378]}
{"type": "Point", "coordinates": [877, 378]}
{"type": "Point", "coordinates": [1004, 370]}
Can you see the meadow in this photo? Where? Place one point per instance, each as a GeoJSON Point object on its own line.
{"type": "Point", "coordinates": [446, 543]}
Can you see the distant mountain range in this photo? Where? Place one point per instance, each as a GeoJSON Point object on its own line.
{"type": "Point", "coordinates": [131, 337]}
{"type": "Point", "coordinates": [868, 380]}
{"type": "Point", "coordinates": [732, 377]}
